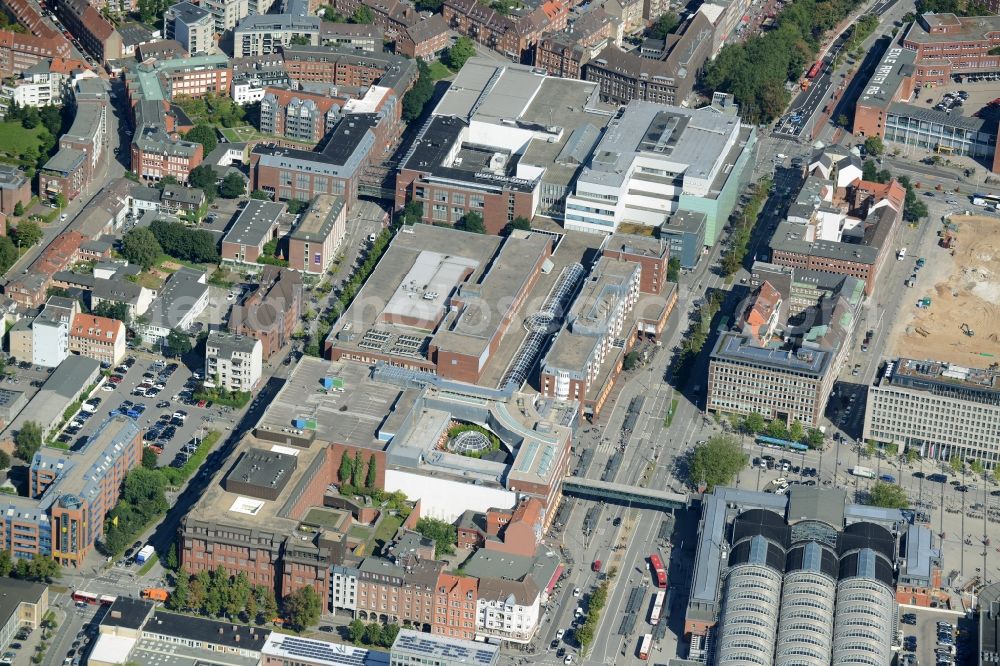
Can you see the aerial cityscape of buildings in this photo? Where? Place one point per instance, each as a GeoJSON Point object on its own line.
{"type": "Point", "coordinates": [382, 332]}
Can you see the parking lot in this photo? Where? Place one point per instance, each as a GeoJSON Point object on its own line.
{"type": "Point", "coordinates": [930, 641]}
{"type": "Point", "coordinates": [158, 406]}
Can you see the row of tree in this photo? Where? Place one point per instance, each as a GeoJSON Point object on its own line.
{"type": "Point", "coordinates": [142, 499]}
{"type": "Point", "coordinates": [217, 594]}
{"type": "Point", "coordinates": [421, 93]}
{"type": "Point", "coordinates": [39, 567]}
{"type": "Point", "coordinates": [372, 634]}
{"type": "Point", "coordinates": [756, 70]}
{"type": "Point", "coordinates": [739, 240]}
{"type": "Point", "coordinates": [755, 424]}
{"type": "Point", "coordinates": [352, 471]}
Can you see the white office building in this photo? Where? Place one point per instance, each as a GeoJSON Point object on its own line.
{"type": "Point", "coordinates": [232, 362]}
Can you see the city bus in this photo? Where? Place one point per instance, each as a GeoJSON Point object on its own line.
{"type": "Point", "coordinates": [815, 70]}
{"type": "Point", "coordinates": [658, 570]}
{"type": "Point", "coordinates": [107, 599]}
{"type": "Point", "coordinates": [645, 646]}
{"type": "Point", "coordinates": [657, 609]}
{"type": "Point", "coordinates": [986, 200]}
{"type": "Point", "coordinates": [774, 442]}
{"type": "Point", "coordinates": [85, 597]}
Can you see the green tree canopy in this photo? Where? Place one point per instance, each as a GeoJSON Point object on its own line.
{"type": "Point", "coordinates": [26, 233]}
{"type": "Point", "coordinates": [27, 441]}
{"type": "Point", "coordinates": [362, 15]}
{"type": "Point", "coordinates": [372, 475]}
{"type": "Point", "coordinates": [111, 310]}
{"type": "Point", "coordinates": [233, 186]}
{"type": "Point", "coordinates": [260, 195]}
{"type": "Point", "coordinates": [956, 464]}
{"type": "Point", "coordinates": [888, 495]}
{"type": "Point", "coordinates": [205, 135]}
{"type": "Point", "coordinates": [664, 25]}
{"type": "Point", "coordinates": [419, 94]}
{"type": "Point", "coordinates": [874, 145]}
{"type": "Point", "coordinates": [140, 247]}
{"type": "Point", "coordinates": [472, 222]}
{"type": "Point", "coordinates": [673, 269]}
{"type": "Point", "coordinates": [204, 178]}
{"type": "Point", "coordinates": [716, 462]}
{"type": "Point", "coordinates": [180, 242]}
{"type": "Point", "coordinates": [302, 608]}
{"type": "Point", "coordinates": [149, 459]}
{"type": "Point", "coordinates": [444, 535]}
{"type": "Point", "coordinates": [178, 343]}
{"type": "Point", "coordinates": [459, 52]}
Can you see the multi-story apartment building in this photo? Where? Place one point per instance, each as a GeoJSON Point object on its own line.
{"type": "Point", "coordinates": [28, 288]}
{"type": "Point", "coordinates": [232, 362]}
{"type": "Point", "coordinates": [300, 116]}
{"type": "Point", "coordinates": [513, 36]}
{"type": "Point", "coordinates": [271, 312]}
{"type": "Point", "coordinates": [227, 13]}
{"type": "Point", "coordinates": [357, 37]}
{"type": "Point", "coordinates": [336, 170]}
{"type": "Point", "coordinates": [20, 51]}
{"type": "Point", "coordinates": [264, 35]}
{"type": "Point", "coordinates": [194, 76]}
{"type": "Point", "coordinates": [627, 76]}
{"type": "Point", "coordinates": [656, 159]}
{"type": "Point", "coordinates": [940, 410]}
{"type": "Point", "coordinates": [784, 353]}
{"type": "Point", "coordinates": [565, 53]}
{"type": "Point", "coordinates": [70, 492]}
{"type": "Point", "coordinates": [425, 39]}
{"type": "Point", "coordinates": [156, 155]}
{"type": "Point", "coordinates": [393, 16]}
{"type": "Point", "coordinates": [313, 242]}
{"type": "Point", "coordinates": [43, 84]}
{"type": "Point", "coordinates": [99, 338]}
{"type": "Point", "coordinates": [455, 606]}
{"type": "Point", "coordinates": [348, 67]}
{"type": "Point", "coordinates": [252, 76]}
{"type": "Point", "coordinates": [50, 332]}
{"type": "Point", "coordinates": [83, 147]}
{"type": "Point", "coordinates": [97, 35]}
{"type": "Point", "coordinates": [176, 306]}
{"type": "Point", "coordinates": [191, 25]}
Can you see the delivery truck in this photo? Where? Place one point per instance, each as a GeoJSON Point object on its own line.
{"type": "Point", "coordinates": [864, 472]}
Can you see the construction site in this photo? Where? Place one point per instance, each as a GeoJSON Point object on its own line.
{"type": "Point", "coordinates": [954, 306]}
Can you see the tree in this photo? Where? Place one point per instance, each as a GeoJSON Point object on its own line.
{"type": "Point", "coordinates": [776, 429]}
{"type": "Point", "coordinates": [346, 468]}
{"type": "Point", "coordinates": [8, 253]}
{"type": "Point", "coordinates": [976, 467]}
{"type": "Point", "coordinates": [888, 496]}
{"type": "Point", "coordinates": [413, 212]}
{"type": "Point", "coordinates": [233, 186]}
{"type": "Point", "coordinates": [44, 568]}
{"type": "Point", "coordinates": [6, 563]}
{"type": "Point", "coordinates": [27, 441]}
{"type": "Point", "coordinates": [874, 146]}
{"type": "Point", "coordinates": [205, 135]}
{"type": "Point", "coordinates": [956, 464]}
{"type": "Point", "coordinates": [178, 600]}
{"type": "Point", "coordinates": [302, 608]}
{"type": "Point", "coordinates": [444, 535]}
{"type": "Point", "coordinates": [664, 25]}
{"type": "Point", "coordinates": [171, 560]}
{"type": "Point", "coordinates": [372, 475]}
{"type": "Point", "coordinates": [373, 634]}
{"type": "Point", "coordinates": [753, 423]}
{"type": "Point", "coordinates": [140, 247]}
{"type": "Point", "coordinates": [177, 240]}
{"type": "Point", "coordinates": [796, 432]}
{"type": "Point", "coordinates": [815, 438]}
{"type": "Point", "coordinates": [362, 15]}
{"type": "Point", "coordinates": [266, 603]}
{"type": "Point", "coordinates": [149, 459]}
{"type": "Point", "coordinates": [389, 633]}
{"type": "Point", "coordinates": [203, 177]}
{"type": "Point", "coordinates": [356, 469]}
{"type": "Point", "coordinates": [19, 209]}
{"type": "Point", "coordinates": [178, 343]}
{"type": "Point", "coordinates": [299, 40]}
{"type": "Point", "coordinates": [143, 489]}
{"type": "Point", "coordinates": [891, 449]}
{"type": "Point", "coordinates": [630, 361]}
{"type": "Point", "coordinates": [260, 195]}
{"type": "Point", "coordinates": [111, 310]}
{"type": "Point", "coordinates": [716, 462]}
{"type": "Point", "coordinates": [356, 630]}
{"type": "Point", "coordinates": [869, 171]}
{"type": "Point", "coordinates": [27, 233]}
{"type": "Point", "coordinates": [166, 180]}
{"type": "Point", "coordinates": [996, 473]}
{"type": "Point", "coordinates": [419, 94]}
{"type": "Point", "coordinates": [870, 448]}
{"type": "Point", "coordinates": [843, 120]}
{"type": "Point", "coordinates": [459, 52]}
{"type": "Point", "coordinates": [912, 455]}
{"type": "Point", "coordinates": [673, 269]}
{"type": "Point", "coordinates": [471, 222]}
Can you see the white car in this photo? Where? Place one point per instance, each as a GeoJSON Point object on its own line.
{"type": "Point", "coordinates": [560, 634]}
{"type": "Point", "coordinates": [62, 218]}
{"type": "Point", "coordinates": [568, 659]}
{"type": "Point", "coordinates": [108, 387]}
{"type": "Point", "coordinates": [576, 592]}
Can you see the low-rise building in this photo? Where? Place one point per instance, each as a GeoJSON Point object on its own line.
{"type": "Point", "coordinates": [414, 648]}
{"type": "Point", "coordinates": [179, 200]}
{"type": "Point", "coordinates": [359, 37]}
{"type": "Point", "coordinates": [257, 225]}
{"type": "Point", "coordinates": [23, 604]}
{"type": "Point", "coordinates": [313, 243]}
{"type": "Point", "coordinates": [99, 338]}
{"type": "Point", "coordinates": [15, 188]}
{"type": "Point", "coordinates": [264, 35]}
{"type": "Point", "coordinates": [29, 288]}
{"type": "Point", "coordinates": [177, 305]}
{"type": "Point", "coordinates": [426, 39]}
{"type": "Point", "coordinates": [271, 312]}
{"type": "Point", "coordinates": [232, 362]}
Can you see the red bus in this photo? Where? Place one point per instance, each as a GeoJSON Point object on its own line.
{"type": "Point", "coordinates": [107, 599]}
{"type": "Point", "coordinates": [814, 70]}
{"type": "Point", "coordinates": [659, 572]}
{"type": "Point", "coordinates": [85, 597]}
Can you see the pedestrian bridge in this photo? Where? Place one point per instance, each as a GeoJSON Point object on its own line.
{"type": "Point", "coordinates": [616, 493]}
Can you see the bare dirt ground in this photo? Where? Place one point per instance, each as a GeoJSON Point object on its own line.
{"type": "Point", "coordinates": [964, 289]}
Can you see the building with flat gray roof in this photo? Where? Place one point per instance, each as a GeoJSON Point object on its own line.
{"type": "Point", "coordinates": [656, 159]}
{"type": "Point", "coordinates": [402, 313]}
{"type": "Point", "coordinates": [266, 34]}
{"type": "Point", "coordinates": [414, 648]}
{"type": "Point", "coordinates": [284, 650]}
{"type": "Point", "coordinates": [501, 132]}
{"type": "Point", "coordinates": [258, 223]}
{"type": "Point", "coordinates": [70, 379]}
{"type": "Point", "coordinates": [685, 233]}
{"type": "Point", "coordinates": [22, 604]}
{"type": "Point", "coordinates": [176, 306]}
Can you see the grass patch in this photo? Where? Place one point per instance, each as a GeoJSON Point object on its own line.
{"type": "Point", "coordinates": [16, 140]}
{"type": "Point", "coordinates": [386, 529]}
{"type": "Point", "coordinates": [669, 418]}
{"type": "Point", "coordinates": [148, 564]}
{"type": "Point", "coordinates": [636, 229]}
{"type": "Point", "coordinates": [149, 280]}
{"type": "Point", "coordinates": [176, 476]}
{"type": "Point", "coordinates": [439, 71]}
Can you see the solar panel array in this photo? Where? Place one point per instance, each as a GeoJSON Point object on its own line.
{"type": "Point", "coordinates": [446, 650]}
{"type": "Point", "coordinates": [309, 649]}
{"type": "Point", "coordinates": [374, 339]}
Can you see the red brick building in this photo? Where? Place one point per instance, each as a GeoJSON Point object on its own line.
{"type": "Point", "coordinates": [28, 288]}
{"type": "Point", "coordinates": [511, 36]}
{"type": "Point", "coordinates": [20, 51]}
{"type": "Point", "coordinates": [517, 531]}
{"type": "Point", "coordinates": [455, 606]}
{"type": "Point", "coordinates": [157, 154]}
{"type": "Point", "coordinates": [271, 312]}
{"type": "Point", "coordinates": [424, 39]}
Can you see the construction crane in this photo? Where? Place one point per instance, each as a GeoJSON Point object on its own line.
{"type": "Point", "coordinates": [968, 331]}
